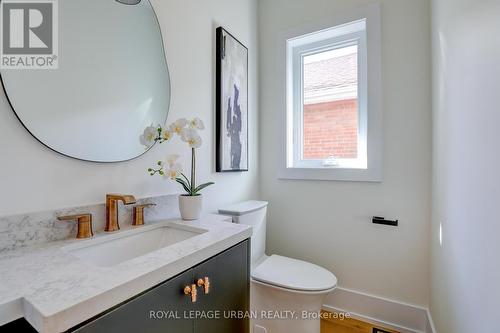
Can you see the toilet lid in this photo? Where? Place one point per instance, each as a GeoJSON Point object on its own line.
{"type": "Point", "coordinates": [294, 274]}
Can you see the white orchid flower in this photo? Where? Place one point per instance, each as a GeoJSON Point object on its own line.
{"type": "Point", "coordinates": [170, 168]}
{"type": "Point", "coordinates": [171, 159]}
{"type": "Point", "coordinates": [197, 123]}
{"type": "Point", "coordinates": [186, 133]}
{"type": "Point", "coordinates": [190, 136]}
{"type": "Point", "coordinates": [174, 171]}
{"type": "Point", "coordinates": [149, 136]}
{"type": "Point", "coordinates": [178, 126]}
{"type": "Point", "coordinates": [166, 134]}
{"type": "Point", "coordinates": [195, 142]}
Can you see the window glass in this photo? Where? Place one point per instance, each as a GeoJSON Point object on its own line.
{"type": "Point", "coordinates": [330, 110]}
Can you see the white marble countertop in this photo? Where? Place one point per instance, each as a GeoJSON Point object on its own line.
{"type": "Point", "coordinates": [55, 291]}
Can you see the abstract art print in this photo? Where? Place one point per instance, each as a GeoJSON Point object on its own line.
{"type": "Point", "coordinates": [232, 103]}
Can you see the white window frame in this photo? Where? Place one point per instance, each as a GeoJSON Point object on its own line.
{"type": "Point", "coordinates": [335, 38]}
{"type": "Point", "coordinates": [362, 28]}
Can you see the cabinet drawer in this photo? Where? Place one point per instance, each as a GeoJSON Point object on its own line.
{"type": "Point", "coordinates": [134, 316]}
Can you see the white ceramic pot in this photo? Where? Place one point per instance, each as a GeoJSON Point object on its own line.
{"type": "Point", "coordinates": [190, 207]}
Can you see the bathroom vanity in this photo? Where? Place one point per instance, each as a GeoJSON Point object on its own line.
{"type": "Point", "coordinates": [193, 277]}
{"type": "Point", "coordinates": [171, 306]}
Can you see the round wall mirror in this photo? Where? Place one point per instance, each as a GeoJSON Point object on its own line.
{"type": "Point", "coordinates": [112, 81]}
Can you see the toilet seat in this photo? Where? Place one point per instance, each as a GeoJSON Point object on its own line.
{"type": "Point", "coordinates": [293, 274]}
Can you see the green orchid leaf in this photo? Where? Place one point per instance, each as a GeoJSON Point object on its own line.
{"type": "Point", "coordinates": [188, 183]}
{"type": "Point", "coordinates": [183, 183]}
{"type": "Point", "coordinates": [202, 186]}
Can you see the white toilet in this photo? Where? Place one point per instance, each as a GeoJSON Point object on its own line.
{"type": "Point", "coordinates": [286, 294]}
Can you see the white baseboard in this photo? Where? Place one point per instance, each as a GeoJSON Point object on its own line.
{"type": "Point", "coordinates": [405, 318]}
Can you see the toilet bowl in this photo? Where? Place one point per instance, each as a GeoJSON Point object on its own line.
{"type": "Point", "coordinates": [286, 294]}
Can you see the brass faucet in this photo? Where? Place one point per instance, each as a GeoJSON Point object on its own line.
{"type": "Point", "coordinates": [112, 209]}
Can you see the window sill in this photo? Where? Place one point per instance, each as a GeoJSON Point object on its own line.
{"type": "Point", "coordinates": [331, 174]}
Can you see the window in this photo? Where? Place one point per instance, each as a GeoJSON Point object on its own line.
{"type": "Point", "coordinates": [333, 125]}
{"type": "Point", "coordinates": [330, 113]}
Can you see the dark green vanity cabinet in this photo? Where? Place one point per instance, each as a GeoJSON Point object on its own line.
{"type": "Point", "coordinates": [229, 275]}
{"type": "Point", "coordinates": [229, 291]}
{"type": "Point", "coordinates": [134, 316]}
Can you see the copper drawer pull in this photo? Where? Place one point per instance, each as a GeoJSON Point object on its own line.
{"type": "Point", "coordinates": [205, 283]}
{"type": "Point", "coordinates": [191, 290]}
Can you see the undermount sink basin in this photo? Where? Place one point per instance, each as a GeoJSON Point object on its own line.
{"type": "Point", "coordinates": [110, 250]}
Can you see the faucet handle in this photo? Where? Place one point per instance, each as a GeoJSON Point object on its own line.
{"type": "Point", "coordinates": [84, 223]}
{"type": "Point", "coordinates": [139, 213]}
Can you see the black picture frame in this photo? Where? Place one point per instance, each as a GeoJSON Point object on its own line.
{"type": "Point", "coordinates": [231, 136]}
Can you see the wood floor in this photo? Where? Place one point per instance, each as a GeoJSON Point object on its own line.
{"type": "Point", "coordinates": [334, 323]}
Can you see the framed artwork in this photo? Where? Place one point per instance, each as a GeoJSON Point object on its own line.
{"type": "Point", "coordinates": [232, 104]}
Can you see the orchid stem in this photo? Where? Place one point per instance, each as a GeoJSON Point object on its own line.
{"type": "Point", "coordinates": [193, 171]}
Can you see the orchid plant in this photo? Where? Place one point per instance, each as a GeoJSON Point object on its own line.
{"type": "Point", "coordinates": [170, 168]}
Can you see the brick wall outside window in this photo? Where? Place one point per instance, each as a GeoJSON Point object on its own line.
{"type": "Point", "coordinates": [331, 129]}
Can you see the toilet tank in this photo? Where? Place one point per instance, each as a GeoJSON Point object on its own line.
{"type": "Point", "coordinates": [252, 213]}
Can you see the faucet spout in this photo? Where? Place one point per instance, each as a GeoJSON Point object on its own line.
{"type": "Point", "coordinates": [112, 209]}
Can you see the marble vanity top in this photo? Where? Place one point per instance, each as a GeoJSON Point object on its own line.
{"type": "Point", "coordinates": [55, 291]}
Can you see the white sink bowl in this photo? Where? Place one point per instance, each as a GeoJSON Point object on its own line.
{"type": "Point", "coordinates": [113, 249]}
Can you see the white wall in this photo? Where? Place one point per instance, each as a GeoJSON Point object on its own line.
{"type": "Point", "coordinates": [33, 178]}
{"type": "Point", "coordinates": [465, 266]}
{"type": "Point", "coordinates": [329, 223]}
